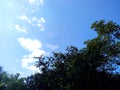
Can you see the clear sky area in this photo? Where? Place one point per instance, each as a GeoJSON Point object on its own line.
{"type": "Point", "coordinates": [30, 28]}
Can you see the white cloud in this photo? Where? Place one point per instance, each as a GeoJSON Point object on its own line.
{"type": "Point", "coordinates": [19, 29]}
{"type": "Point", "coordinates": [30, 44]}
{"type": "Point", "coordinates": [28, 61]}
{"type": "Point", "coordinates": [34, 46]}
{"type": "Point", "coordinates": [37, 53]}
{"type": "Point", "coordinates": [26, 64]}
{"type": "Point", "coordinates": [53, 47]}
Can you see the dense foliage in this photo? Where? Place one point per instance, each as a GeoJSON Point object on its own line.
{"type": "Point", "coordinates": [91, 68]}
{"type": "Point", "coordinates": [11, 82]}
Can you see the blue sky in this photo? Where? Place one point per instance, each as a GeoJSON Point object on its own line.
{"type": "Point", "coordinates": [33, 27]}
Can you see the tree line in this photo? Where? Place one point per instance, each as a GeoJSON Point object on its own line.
{"type": "Point", "coordinates": [94, 67]}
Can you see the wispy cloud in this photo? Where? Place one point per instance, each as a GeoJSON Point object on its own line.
{"type": "Point", "coordinates": [42, 2]}
{"type": "Point", "coordinates": [24, 18]}
{"type": "Point", "coordinates": [19, 29]}
{"type": "Point", "coordinates": [31, 1]}
{"type": "Point", "coordinates": [34, 46]}
{"type": "Point", "coordinates": [34, 21]}
{"type": "Point", "coordinates": [37, 2]}
{"type": "Point", "coordinates": [40, 23]}
{"type": "Point", "coordinates": [53, 47]}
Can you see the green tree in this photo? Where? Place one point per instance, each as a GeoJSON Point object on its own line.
{"type": "Point", "coordinates": [11, 82]}
{"type": "Point", "coordinates": [16, 83]}
{"type": "Point", "coordinates": [92, 67]}
{"type": "Point", "coordinates": [106, 46]}
{"type": "Point", "coordinates": [89, 68]}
